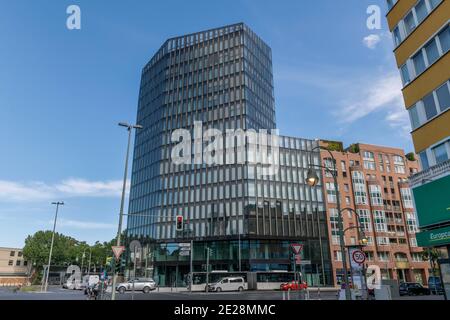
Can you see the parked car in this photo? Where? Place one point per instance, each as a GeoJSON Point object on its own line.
{"type": "Point", "coordinates": [228, 284]}
{"type": "Point", "coordinates": [72, 285]}
{"type": "Point", "coordinates": [293, 285]}
{"type": "Point", "coordinates": [140, 284]}
{"type": "Point", "coordinates": [413, 289]}
{"type": "Point", "coordinates": [435, 285]}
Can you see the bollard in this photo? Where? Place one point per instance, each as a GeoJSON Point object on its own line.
{"type": "Point", "coordinates": [318, 293]}
{"type": "Point", "coordinates": [288, 294]}
{"type": "Point", "coordinates": [284, 296]}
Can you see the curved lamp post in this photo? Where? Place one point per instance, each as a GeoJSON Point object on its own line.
{"type": "Point", "coordinates": [313, 179]}
{"type": "Point", "coordinates": [129, 128]}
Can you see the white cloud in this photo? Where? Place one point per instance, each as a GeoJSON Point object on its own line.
{"type": "Point", "coordinates": [371, 41]}
{"type": "Point", "coordinates": [12, 191]}
{"type": "Point", "coordinates": [82, 224]}
{"type": "Point", "coordinates": [374, 94]}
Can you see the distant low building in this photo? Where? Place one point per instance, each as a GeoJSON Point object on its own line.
{"type": "Point", "coordinates": [14, 268]}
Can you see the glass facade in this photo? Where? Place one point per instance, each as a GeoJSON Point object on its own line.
{"type": "Point", "coordinates": [223, 79]}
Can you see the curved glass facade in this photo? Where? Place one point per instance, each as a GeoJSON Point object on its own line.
{"type": "Point", "coordinates": [223, 79]}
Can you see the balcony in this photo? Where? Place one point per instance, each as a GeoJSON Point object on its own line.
{"type": "Point", "coordinates": [430, 174]}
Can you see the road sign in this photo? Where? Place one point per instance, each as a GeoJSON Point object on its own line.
{"type": "Point", "coordinates": [184, 245]}
{"type": "Point", "coordinates": [297, 259]}
{"type": "Point", "coordinates": [185, 253]}
{"type": "Point", "coordinates": [358, 256]}
{"type": "Point", "coordinates": [305, 262]}
{"type": "Point", "coordinates": [296, 247]}
{"type": "Point", "coordinates": [118, 250]}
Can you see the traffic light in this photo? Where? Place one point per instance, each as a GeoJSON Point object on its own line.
{"type": "Point", "coordinates": [179, 223]}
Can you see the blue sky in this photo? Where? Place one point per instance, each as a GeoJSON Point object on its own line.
{"type": "Point", "coordinates": [62, 93]}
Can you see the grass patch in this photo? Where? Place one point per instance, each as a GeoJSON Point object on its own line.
{"type": "Point", "coordinates": [30, 289]}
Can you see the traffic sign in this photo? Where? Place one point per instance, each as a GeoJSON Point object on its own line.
{"type": "Point", "coordinates": [118, 250]}
{"type": "Point", "coordinates": [185, 253]}
{"type": "Point", "coordinates": [298, 259]}
{"type": "Point", "coordinates": [358, 256]}
{"type": "Point", "coordinates": [297, 247]}
{"type": "Point", "coordinates": [305, 262]}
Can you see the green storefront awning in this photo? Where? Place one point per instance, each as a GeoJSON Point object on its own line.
{"type": "Point", "coordinates": [433, 238]}
{"type": "Point", "coordinates": [432, 202]}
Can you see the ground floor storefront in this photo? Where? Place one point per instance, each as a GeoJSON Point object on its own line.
{"type": "Point", "coordinates": [268, 260]}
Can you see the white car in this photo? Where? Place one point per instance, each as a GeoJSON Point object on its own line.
{"type": "Point", "coordinates": [229, 284]}
{"type": "Point", "coordinates": [141, 284]}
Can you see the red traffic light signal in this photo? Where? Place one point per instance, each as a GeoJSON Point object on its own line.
{"type": "Point", "coordinates": [179, 223]}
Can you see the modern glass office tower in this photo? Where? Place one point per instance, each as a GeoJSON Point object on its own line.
{"type": "Point", "coordinates": [223, 79]}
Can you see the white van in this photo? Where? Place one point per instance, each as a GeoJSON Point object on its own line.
{"type": "Point", "coordinates": [229, 284]}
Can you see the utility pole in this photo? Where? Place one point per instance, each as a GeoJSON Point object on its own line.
{"type": "Point", "coordinates": [51, 246]}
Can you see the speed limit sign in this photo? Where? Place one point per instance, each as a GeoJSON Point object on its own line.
{"type": "Point", "coordinates": [358, 256]}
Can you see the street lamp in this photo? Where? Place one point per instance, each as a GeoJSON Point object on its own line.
{"type": "Point", "coordinates": [122, 202]}
{"type": "Point", "coordinates": [51, 245]}
{"type": "Point", "coordinates": [313, 179]}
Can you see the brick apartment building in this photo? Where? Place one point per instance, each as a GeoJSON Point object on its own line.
{"type": "Point", "coordinates": [373, 180]}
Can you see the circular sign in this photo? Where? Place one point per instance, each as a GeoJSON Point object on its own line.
{"type": "Point", "coordinates": [358, 256]}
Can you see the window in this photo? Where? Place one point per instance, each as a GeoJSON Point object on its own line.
{"type": "Point", "coordinates": [359, 187]}
{"type": "Point", "coordinates": [375, 195]}
{"type": "Point", "coordinates": [12, 253]}
{"type": "Point", "coordinates": [432, 51]}
{"type": "Point", "coordinates": [410, 24]}
{"type": "Point", "coordinates": [334, 223]}
{"type": "Point", "coordinates": [419, 63]}
{"type": "Point", "coordinates": [380, 221]}
{"type": "Point", "coordinates": [444, 39]}
{"type": "Point", "coordinates": [411, 223]}
{"type": "Point", "coordinates": [443, 96]}
{"type": "Point", "coordinates": [414, 117]}
{"type": "Point", "coordinates": [391, 3]}
{"type": "Point", "coordinates": [331, 192]}
{"type": "Point", "coordinates": [383, 256]}
{"type": "Point", "coordinates": [399, 164]}
{"type": "Point", "coordinates": [413, 242]}
{"type": "Point", "coordinates": [369, 160]}
{"type": "Point", "coordinates": [440, 153]}
{"type": "Point", "coordinates": [406, 197]}
{"type": "Point", "coordinates": [364, 220]}
{"type": "Point", "coordinates": [417, 257]}
{"type": "Point", "coordinates": [424, 160]}
{"type": "Point", "coordinates": [430, 106]}
{"type": "Point", "coordinates": [434, 3]}
{"type": "Point", "coordinates": [405, 74]}
{"type": "Point", "coordinates": [421, 10]}
{"type": "Point", "coordinates": [382, 241]}
{"type": "Point", "coordinates": [17, 263]}
{"type": "Point", "coordinates": [397, 36]}
{"type": "Point", "coordinates": [337, 256]}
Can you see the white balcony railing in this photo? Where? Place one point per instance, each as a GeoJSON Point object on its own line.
{"type": "Point", "coordinates": [430, 174]}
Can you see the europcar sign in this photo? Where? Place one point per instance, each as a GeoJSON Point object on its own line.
{"type": "Point", "coordinates": [436, 237]}
{"type": "Point", "coordinates": [433, 202]}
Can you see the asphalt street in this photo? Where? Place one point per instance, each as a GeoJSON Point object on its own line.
{"type": "Point", "coordinates": [57, 293]}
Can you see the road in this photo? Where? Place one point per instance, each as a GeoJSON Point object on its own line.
{"type": "Point", "coordinates": [57, 293]}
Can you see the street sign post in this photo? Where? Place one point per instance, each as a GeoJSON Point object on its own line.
{"type": "Point", "coordinates": [358, 256]}
{"type": "Point", "coordinates": [297, 248]}
{"type": "Point", "coordinates": [118, 250]}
